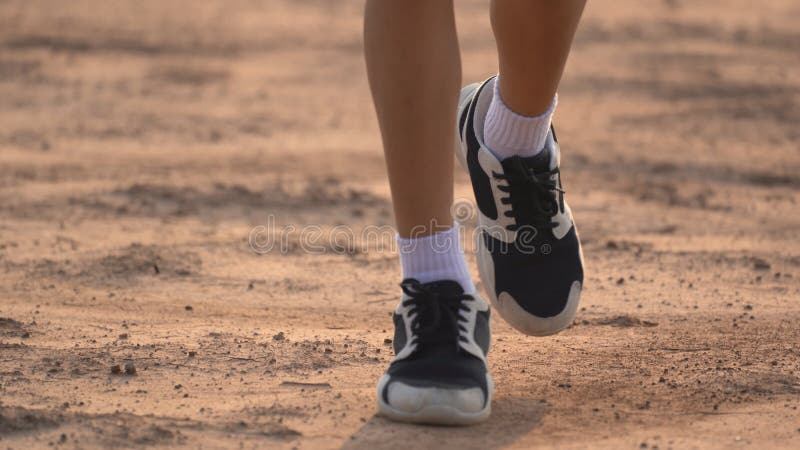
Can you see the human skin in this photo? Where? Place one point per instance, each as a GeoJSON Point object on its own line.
{"type": "Point", "coordinates": [414, 70]}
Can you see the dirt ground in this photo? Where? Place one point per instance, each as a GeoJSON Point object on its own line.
{"type": "Point", "coordinates": [142, 143]}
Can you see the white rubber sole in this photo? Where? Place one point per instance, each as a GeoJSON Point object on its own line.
{"type": "Point", "coordinates": [435, 414]}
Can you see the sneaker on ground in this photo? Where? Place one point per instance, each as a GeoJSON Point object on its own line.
{"type": "Point", "coordinates": [439, 374]}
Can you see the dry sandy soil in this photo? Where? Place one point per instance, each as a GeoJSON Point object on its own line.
{"type": "Point", "coordinates": [142, 141]}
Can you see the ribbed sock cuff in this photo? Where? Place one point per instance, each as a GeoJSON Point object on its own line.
{"type": "Point", "coordinates": [435, 257]}
{"type": "Point", "coordinates": [507, 133]}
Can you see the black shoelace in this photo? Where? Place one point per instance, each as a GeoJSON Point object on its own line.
{"type": "Point", "coordinates": [532, 196]}
{"type": "Point", "coordinates": [434, 310]}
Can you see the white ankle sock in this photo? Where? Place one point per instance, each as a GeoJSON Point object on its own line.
{"type": "Point", "coordinates": [507, 133]}
{"type": "Point", "coordinates": [435, 257]}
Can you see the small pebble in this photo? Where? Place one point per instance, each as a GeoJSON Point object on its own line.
{"type": "Point", "coordinates": [130, 369]}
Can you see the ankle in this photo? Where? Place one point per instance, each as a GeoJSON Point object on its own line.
{"type": "Point", "coordinates": [508, 133]}
{"type": "Point", "coordinates": [435, 257]}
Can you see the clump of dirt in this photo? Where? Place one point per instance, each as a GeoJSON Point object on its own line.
{"type": "Point", "coordinates": [275, 410]}
{"type": "Point", "coordinates": [128, 369]}
{"type": "Point", "coordinates": [126, 430]}
{"type": "Point", "coordinates": [127, 265]}
{"type": "Point", "coordinates": [269, 430]}
{"type": "Point", "coordinates": [621, 321]}
{"type": "Point", "coordinates": [12, 328]}
{"type": "Point", "coordinates": [160, 200]}
{"type": "Point", "coordinates": [13, 420]}
{"type": "Point", "coordinates": [760, 264]}
{"type": "Point", "coordinates": [317, 354]}
{"type": "Point", "coordinates": [138, 260]}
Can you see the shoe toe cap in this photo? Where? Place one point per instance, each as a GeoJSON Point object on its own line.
{"type": "Point", "coordinates": [409, 398]}
{"type": "Point", "coordinates": [534, 325]}
{"type": "Point", "coordinates": [544, 285]}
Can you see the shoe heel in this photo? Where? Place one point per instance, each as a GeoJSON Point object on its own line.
{"type": "Point", "coordinates": [463, 103]}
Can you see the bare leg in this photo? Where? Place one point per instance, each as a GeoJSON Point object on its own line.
{"type": "Point", "coordinates": [533, 41]}
{"type": "Point", "coordinates": [414, 71]}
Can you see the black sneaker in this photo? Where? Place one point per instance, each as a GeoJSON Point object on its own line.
{"type": "Point", "coordinates": [529, 255]}
{"type": "Point", "coordinates": [439, 373]}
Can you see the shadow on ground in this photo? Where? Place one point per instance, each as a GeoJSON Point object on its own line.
{"type": "Point", "coordinates": [512, 418]}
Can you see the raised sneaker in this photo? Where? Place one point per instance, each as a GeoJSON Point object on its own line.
{"type": "Point", "coordinates": [528, 251]}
